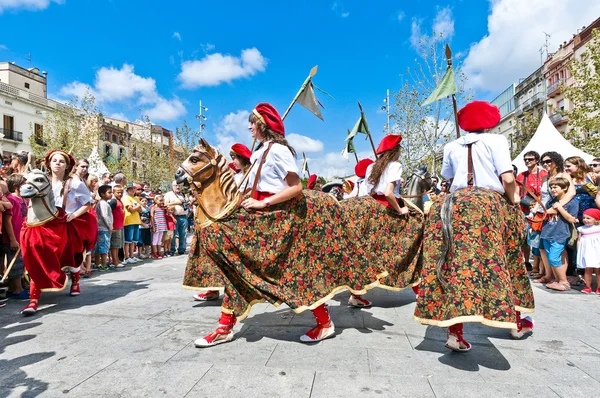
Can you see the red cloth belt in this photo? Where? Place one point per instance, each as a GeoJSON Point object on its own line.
{"type": "Point", "coordinates": [258, 195]}
{"type": "Point", "coordinates": [383, 200]}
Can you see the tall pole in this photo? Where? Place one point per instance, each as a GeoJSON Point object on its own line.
{"type": "Point", "coordinates": [201, 118]}
{"type": "Point", "coordinates": [387, 101]}
{"type": "Point", "coordinates": [449, 58]}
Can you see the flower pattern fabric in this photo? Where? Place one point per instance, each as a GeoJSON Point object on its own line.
{"type": "Point", "coordinates": [300, 252]}
{"type": "Point", "coordinates": [486, 279]}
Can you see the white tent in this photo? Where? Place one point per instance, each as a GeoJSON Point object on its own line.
{"type": "Point", "coordinates": [548, 138]}
{"type": "Point", "coordinates": [97, 166]}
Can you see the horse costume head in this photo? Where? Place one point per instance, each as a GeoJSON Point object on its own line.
{"type": "Point", "coordinates": [207, 172]}
{"type": "Point", "coordinates": [38, 189]}
{"type": "Point", "coordinates": [417, 186]}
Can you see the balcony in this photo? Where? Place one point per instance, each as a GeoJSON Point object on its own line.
{"type": "Point", "coordinates": [12, 135]}
{"type": "Point", "coordinates": [529, 103]}
{"type": "Point", "coordinates": [558, 119]}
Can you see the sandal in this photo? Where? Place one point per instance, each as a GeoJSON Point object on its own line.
{"type": "Point", "coordinates": [560, 286]}
{"type": "Point", "coordinates": [543, 279]}
{"type": "Point", "coordinates": [535, 275]}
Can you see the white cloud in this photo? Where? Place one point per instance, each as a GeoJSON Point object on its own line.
{"type": "Point", "coordinates": [345, 14]}
{"type": "Point", "coordinates": [3, 47]}
{"type": "Point", "coordinates": [166, 110]}
{"type": "Point", "coordinates": [119, 116]}
{"type": "Point", "coordinates": [32, 5]}
{"type": "Point", "coordinates": [510, 50]}
{"type": "Point", "coordinates": [442, 28]}
{"type": "Point", "coordinates": [231, 129]}
{"type": "Point", "coordinates": [124, 87]}
{"type": "Point", "coordinates": [177, 36]}
{"type": "Point", "coordinates": [333, 164]}
{"type": "Point", "coordinates": [400, 16]}
{"type": "Point", "coordinates": [338, 7]}
{"type": "Point", "coordinates": [217, 68]}
{"type": "Point", "coordinates": [302, 143]}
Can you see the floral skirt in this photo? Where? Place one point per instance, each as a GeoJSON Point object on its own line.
{"type": "Point", "coordinates": [300, 252]}
{"type": "Point", "coordinates": [392, 242]}
{"type": "Point", "coordinates": [485, 279]}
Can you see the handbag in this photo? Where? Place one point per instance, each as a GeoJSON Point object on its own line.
{"type": "Point", "coordinates": [538, 222]}
{"type": "Point", "coordinates": [572, 242]}
{"type": "Point", "coordinates": [527, 201]}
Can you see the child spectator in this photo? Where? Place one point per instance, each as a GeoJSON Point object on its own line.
{"type": "Point", "coordinates": [116, 237]}
{"type": "Point", "coordinates": [132, 224]}
{"type": "Point", "coordinates": [145, 242]}
{"type": "Point", "coordinates": [159, 225]}
{"type": "Point", "coordinates": [105, 227]}
{"type": "Point", "coordinates": [433, 196]}
{"type": "Point", "coordinates": [168, 235]}
{"type": "Point", "coordinates": [588, 249]}
{"type": "Point", "coordinates": [556, 232]}
{"type": "Point", "coordinates": [12, 221]}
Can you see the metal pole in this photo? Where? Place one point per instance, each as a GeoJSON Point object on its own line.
{"type": "Point", "coordinates": [201, 118]}
{"type": "Point", "coordinates": [388, 110]}
{"type": "Point", "coordinates": [449, 59]}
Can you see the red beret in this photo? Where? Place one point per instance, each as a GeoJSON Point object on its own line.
{"type": "Point", "coordinates": [269, 116]}
{"type": "Point", "coordinates": [388, 142]}
{"type": "Point", "coordinates": [594, 213]}
{"type": "Point", "coordinates": [361, 167]}
{"type": "Point", "coordinates": [242, 150]}
{"type": "Point", "coordinates": [232, 167]}
{"type": "Point", "coordinates": [478, 116]}
{"type": "Point", "coordinates": [312, 180]}
{"type": "Point", "coordinates": [70, 159]}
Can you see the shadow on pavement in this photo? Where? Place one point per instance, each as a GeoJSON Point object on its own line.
{"type": "Point", "coordinates": [482, 353]}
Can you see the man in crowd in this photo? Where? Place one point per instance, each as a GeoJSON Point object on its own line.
{"type": "Point", "coordinates": [176, 201]}
{"type": "Point", "coordinates": [106, 179]}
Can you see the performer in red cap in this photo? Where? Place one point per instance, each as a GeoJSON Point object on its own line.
{"type": "Point", "coordinates": [588, 249]}
{"type": "Point", "coordinates": [312, 182]}
{"type": "Point", "coordinates": [73, 197]}
{"type": "Point", "coordinates": [274, 249]}
{"type": "Point", "coordinates": [359, 189]}
{"type": "Point", "coordinates": [473, 269]}
{"type": "Point", "coordinates": [240, 155]}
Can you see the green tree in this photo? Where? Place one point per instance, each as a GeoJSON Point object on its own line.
{"type": "Point", "coordinates": [425, 130]}
{"type": "Point", "coordinates": [74, 128]}
{"type": "Point", "coordinates": [524, 131]}
{"type": "Point", "coordinates": [584, 94]}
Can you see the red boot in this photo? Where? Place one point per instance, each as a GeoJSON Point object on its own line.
{"type": "Point", "coordinates": [524, 326]}
{"type": "Point", "coordinates": [223, 334]}
{"type": "Point", "coordinates": [208, 295]}
{"type": "Point", "coordinates": [455, 340]}
{"type": "Point", "coordinates": [34, 296]}
{"type": "Point", "coordinates": [75, 291]}
{"type": "Point", "coordinates": [324, 328]}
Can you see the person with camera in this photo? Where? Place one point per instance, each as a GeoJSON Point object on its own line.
{"type": "Point", "coordinates": [532, 179]}
{"type": "Point", "coordinates": [180, 205]}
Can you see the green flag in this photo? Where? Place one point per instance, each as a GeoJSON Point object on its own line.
{"type": "Point", "coordinates": [349, 148]}
{"type": "Point", "coordinates": [445, 88]}
{"type": "Point", "coordinates": [361, 126]}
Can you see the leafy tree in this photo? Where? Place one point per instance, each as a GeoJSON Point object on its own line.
{"type": "Point", "coordinates": [524, 131]}
{"type": "Point", "coordinates": [425, 130]}
{"type": "Point", "coordinates": [584, 94]}
{"type": "Point", "coordinates": [74, 128]}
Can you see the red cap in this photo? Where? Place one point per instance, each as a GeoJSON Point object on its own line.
{"type": "Point", "coordinates": [361, 167]}
{"type": "Point", "coordinates": [478, 116]}
{"type": "Point", "coordinates": [594, 213]}
{"type": "Point", "coordinates": [68, 156]}
{"type": "Point", "coordinates": [232, 167]}
{"type": "Point", "coordinates": [312, 180]}
{"type": "Point", "coordinates": [351, 183]}
{"type": "Point", "coordinates": [269, 116]}
{"type": "Point", "coordinates": [388, 142]}
{"type": "Point", "coordinates": [242, 150]}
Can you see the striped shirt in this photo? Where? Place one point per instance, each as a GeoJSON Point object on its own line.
{"type": "Point", "coordinates": [160, 222]}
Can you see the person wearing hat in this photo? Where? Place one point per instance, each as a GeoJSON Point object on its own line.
{"type": "Point", "coordinates": [473, 269]}
{"type": "Point", "coordinates": [312, 182]}
{"type": "Point", "coordinates": [73, 197]}
{"type": "Point", "coordinates": [240, 155]}
{"type": "Point", "coordinates": [284, 245]}
{"type": "Point", "coordinates": [360, 170]}
{"type": "Point", "coordinates": [132, 222]}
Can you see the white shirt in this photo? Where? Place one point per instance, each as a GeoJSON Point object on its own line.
{"type": "Point", "coordinates": [79, 195]}
{"type": "Point", "coordinates": [170, 198]}
{"type": "Point", "coordinates": [491, 157]}
{"type": "Point", "coordinates": [391, 174]}
{"type": "Point", "coordinates": [278, 164]}
{"type": "Point", "coordinates": [238, 177]}
{"type": "Point", "coordinates": [358, 190]}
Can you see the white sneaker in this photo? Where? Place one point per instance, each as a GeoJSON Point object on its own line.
{"type": "Point", "coordinates": [358, 301]}
{"type": "Point", "coordinates": [120, 265]}
{"type": "Point", "coordinates": [134, 260]}
{"type": "Point", "coordinates": [219, 336]}
{"type": "Point", "coordinates": [125, 261]}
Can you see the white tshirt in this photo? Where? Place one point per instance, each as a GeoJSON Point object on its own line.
{"type": "Point", "coordinates": [358, 190]}
{"type": "Point", "coordinates": [79, 195]}
{"type": "Point", "coordinates": [238, 177]}
{"type": "Point", "coordinates": [278, 164]}
{"type": "Point", "coordinates": [491, 157]}
{"type": "Point", "coordinates": [391, 174]}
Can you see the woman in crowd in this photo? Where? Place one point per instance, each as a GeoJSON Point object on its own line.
{"type": "Point", "coordinates": [240, 156]}
{"type": "Point", "coordinates": [585, 187]}
{"type": "Point", "coordinates": [73, 197]}
{"type": "Point", "coordinates": [473, 269]}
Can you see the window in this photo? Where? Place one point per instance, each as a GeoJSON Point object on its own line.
{"type": "Point", "coordinates": [107, 150]}
{"type": "Point", "coordinates": [561, 105]}
{"type": "Point", "coordinates": [121, 153]}
{"type": "Point", "coordinates": [106, 136]}
{"type": "Point", "coordinates": [9, 123]}
{"type": "Point", "coordinates": [114, 138]}
{"type": "Point", "coordinates": [26, 85]}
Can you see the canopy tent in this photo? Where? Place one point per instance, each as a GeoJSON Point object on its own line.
{"type": "Point", "coordinates": [97, 166]}
{"type": "Point", "coordinates": [548, 138]}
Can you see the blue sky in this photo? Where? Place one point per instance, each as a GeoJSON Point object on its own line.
{"type": "Point", "coordinates": [162, 57]}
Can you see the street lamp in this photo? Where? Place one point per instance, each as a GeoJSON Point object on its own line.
{"type": "Point", "coordinates": [386, 108]}
{"type": "Point", "coordinates": [202, 118]}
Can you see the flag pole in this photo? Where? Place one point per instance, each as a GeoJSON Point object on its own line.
{"type": "Point", "coordinates": [449, 58]}
{"type": "Point", "coordinates": [313, 72]}
{"type": "Point", "coordinates": [306, 164]}
{"type": "Point", "coordinates": [362, 114]}
{"type": "Point", "coordinates": [356, 157]}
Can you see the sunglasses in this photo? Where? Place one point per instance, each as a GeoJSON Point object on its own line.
{"type": "Point", "coordinates": [547, 161]}
{"type": "Point", "coordinates": [594, 164]}
{"type": "Point", "coordinates": [529, 159]}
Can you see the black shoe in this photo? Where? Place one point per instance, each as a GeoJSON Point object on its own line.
{"type": "Point", "coordinates": [528, 266]}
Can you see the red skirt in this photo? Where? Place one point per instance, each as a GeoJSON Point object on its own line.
{"type": "Point", "coordinates": [82, 234]}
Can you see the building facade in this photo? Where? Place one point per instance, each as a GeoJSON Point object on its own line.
{"type": "Point", "coordinates": [23, 107]}
{"type": "Point", "coordinates": [506, 104]}
{"type": "Point", "coordinates": [530, 94]}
